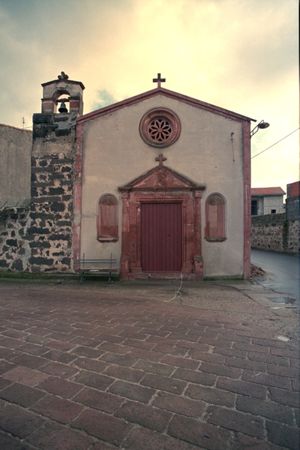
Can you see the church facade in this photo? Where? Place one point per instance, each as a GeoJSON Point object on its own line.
{"type": "Point", "coordinates": [159, 182]}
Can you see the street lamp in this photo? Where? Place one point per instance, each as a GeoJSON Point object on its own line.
{"type": "Point", "coordinates": [260, 126]}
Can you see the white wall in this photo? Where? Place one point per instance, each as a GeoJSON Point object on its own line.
{"type": "Point", "coordinates": [114, 154]}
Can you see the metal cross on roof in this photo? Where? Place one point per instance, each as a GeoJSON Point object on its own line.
{"type": "Point", "coordinates": [160, 159]}
{"type": "Point", "coordinates": [159, 80]}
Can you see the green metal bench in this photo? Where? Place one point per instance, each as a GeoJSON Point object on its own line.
{"type": "Point", "coordinates": [98, 267]}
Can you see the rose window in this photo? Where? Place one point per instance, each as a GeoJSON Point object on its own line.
{"type": "Point", "coordinates": [160, 127]}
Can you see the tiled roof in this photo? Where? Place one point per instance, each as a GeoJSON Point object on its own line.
{"type": "Point", "coordinates": [261, 192]}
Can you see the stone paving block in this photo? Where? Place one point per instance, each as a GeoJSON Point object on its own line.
{"type": "Point", "coordinates": [60, 387]}
{"type": "Point", "coordinates": [209, 357]}
{"type": "Point", "coordinates": [17, 420]}
{"type": "Point", "coordinates": [147, 345]}
{"type": "Point", "coordinates": [124, 373]}
{"type": "Point", "coordinates": [242, 441]}
{"type": "Point", "coordinates": [34, 362]}
{"type": "Point", "coordinates": [158, 368]}
{"type": "Point", "coordinates": [33, 349]}
{"type": "Point", "coordinates": [266, 379]}
{"type": "Point", "coordinates": [186, 363]}
{"type": "Point", "coordinates": [290, 372]}
{"type": "Point", "coordinates": [286, 352]}
{"type": "Point", "coordinates": [8, 442]}
{"type": "Point", "coordinates": [236, 421]}
{"type": "Point", "coordinates": [132, 391]}
{"type": "Point", "coordinates": [93, 379]}
{"type": "Point", "coordinates": [10, 342]}
{"type": "Point", "coordinates": [195, 376]}
{"type": "Point", "coordinates": [148, 355]}
{"type": "Point", "coordinates": [269, 359]}
{"type": "Point", "coordinates": [59, 370]}
{"type": "Point", "coordinates": [18, 334]}
{"type": "Point", "coordinates": [36, 339]}
{"type": "Point", "coordinates": [60, 345]}
{"type": "Point", "coordinates": [144, 415]}
{"type": "Point", "coordinates": [242, 387]}
{"type": "Point", "coordinates": [59, 356]}
{"type": "Point", "coordinates": [285, 397]}
{"type": "Point", "coordinates": [283, 435]}
{"type": "Point", "coordinates": [90, 364]}
{"type": "Point", "coordinates": [102, 426]}
{"type": "Point", "coordinates": [25, 375]}
{"type": "Point", "coordinates": [21, 394]}
{"type": "Point", "coordinates": [103, 446]}
{"type": "Point", "coordinates": [210, 395]}
{"type": "Point", "coordinates": [163, 383]}
{"type": "Point", "coordinates": [179, 405]}
{"type": "Point", "coordinates": [268, 409]}
{"type": "Point", "coordinates": [169, 349]}
{"type": "Point", "coordinates": [7, 354]}
{"type": "Point", "coordinates": [219, 369]}
{"type": "Point", "coordinates": [144, 439]}
{"type": "Point", "coordinates": [87, 352]}
{"type": "Point", "coordinates": [4, 383]}
{"type": "Point", "coordinates": [6, 366]}
{"type": "Point", "coordinates": [296, 385]}
{"type": "Point", "coordinates": [53, 436]}
{"type": "Point", "coordinates": [109, 338]}
{"type": "Point", "coordinates": [127, 360]}
{"type": "Point", "coordinates": [251, 347]}
{"type": "Point", "coordinates": [103, 401]}
{"type": "Point", "coordinates": [241, 354]}
{"type": "Point", "coordinates": [245, 364]}
{"type": "Point", "coordinates": [112, 347]}
{"type": "Point", "coordinates": [204, 435]}
{"type": "Point", "coordinates": [57, 408]}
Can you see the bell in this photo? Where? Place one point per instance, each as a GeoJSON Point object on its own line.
{"type": "Point", "coordinates": [63, 108]}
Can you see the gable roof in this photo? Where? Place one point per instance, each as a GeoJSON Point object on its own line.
{"type": "Point", "coordinates": [262, 192]}
{"type": "Point", "coordinates": [161, 177]}
{"type": "Point", "coordinates": [167, 93]}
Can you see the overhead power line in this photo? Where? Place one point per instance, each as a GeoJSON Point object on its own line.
{"type": "Point", "coordinates": [275, 143]}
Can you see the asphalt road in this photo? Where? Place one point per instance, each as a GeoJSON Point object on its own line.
{"type": "Point", "coordinates": [282, 271]}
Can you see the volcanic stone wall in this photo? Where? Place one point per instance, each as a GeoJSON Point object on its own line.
{"type": "Point", "coordinates": [51, 213]}
{"type": "Point", "coordinates": [275, 232]}
{"type": "Point", "coordinates": [14, 244]}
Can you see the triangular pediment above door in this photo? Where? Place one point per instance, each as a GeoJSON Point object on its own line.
{"type": "Point", "coordinates": [162, 178]}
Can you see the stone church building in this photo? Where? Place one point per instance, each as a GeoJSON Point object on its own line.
{"type": "Point", "coordinates": [160, 182]}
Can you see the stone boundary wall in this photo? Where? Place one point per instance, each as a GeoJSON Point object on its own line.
{"type": "Point", "coordinates": [275, 232]}
{"type": "Point", "coordinates": [14, 239]}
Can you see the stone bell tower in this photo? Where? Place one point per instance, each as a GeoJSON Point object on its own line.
{"type": "Point", "coordinates": [54, 134]}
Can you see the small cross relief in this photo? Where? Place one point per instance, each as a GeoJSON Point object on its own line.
{"type": "Point", "coordinates": [160, 159]}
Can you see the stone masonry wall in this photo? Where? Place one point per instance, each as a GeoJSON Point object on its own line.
{"type": "Point", "coordinates": [14, 245]}
{"type": "Point", "coordinates": [51, 213]}
{"type": "Point", "coordinates": [275, 232]}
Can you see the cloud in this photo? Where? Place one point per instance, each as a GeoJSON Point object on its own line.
{"type": "Point", "coordinates": [104, 99]}
{"type": "Point", "coordinates": [238, 54]}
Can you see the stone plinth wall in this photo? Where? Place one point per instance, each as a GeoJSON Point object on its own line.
{"type": "Point", "coordinates": [275, 232]}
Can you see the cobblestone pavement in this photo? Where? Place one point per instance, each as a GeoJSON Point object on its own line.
{"type": "Point", "coordinates": [96, 368]}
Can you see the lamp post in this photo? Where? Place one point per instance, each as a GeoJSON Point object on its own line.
{"type": "Point", "coordinates": [260, 126]}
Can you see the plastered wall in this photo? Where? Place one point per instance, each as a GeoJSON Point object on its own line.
{"type": "Point", "coordinates": [208, 151]}
{"type": "Point", "coordinates": [15, 155]}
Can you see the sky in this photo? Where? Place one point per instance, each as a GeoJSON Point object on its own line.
{"type": "Point", "coordinates": [241, 55]}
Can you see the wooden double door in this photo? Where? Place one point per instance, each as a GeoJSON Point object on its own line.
{"type": "Point", "coordinates": [161, 237]}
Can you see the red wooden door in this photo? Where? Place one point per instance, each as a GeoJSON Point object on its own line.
{"type": "Point", "coordinates": [161, 237]}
